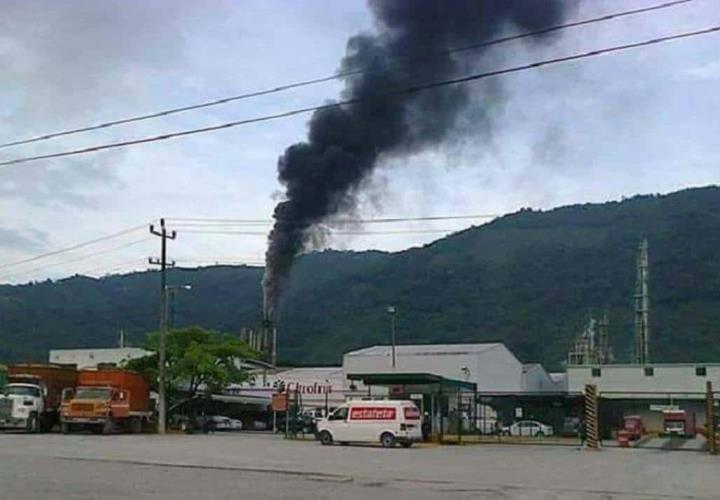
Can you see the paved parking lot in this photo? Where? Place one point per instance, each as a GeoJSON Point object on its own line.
{"type": "Point", "coordinates": [263, 466]}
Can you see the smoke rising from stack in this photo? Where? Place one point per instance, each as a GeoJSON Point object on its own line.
{"type": "Point", "coordinates": [324, 175]}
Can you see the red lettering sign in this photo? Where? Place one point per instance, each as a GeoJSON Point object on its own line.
{"type": "Point", "coordinates": [372, 413]}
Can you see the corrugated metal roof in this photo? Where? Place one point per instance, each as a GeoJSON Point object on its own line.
{"type": "Point", "coordinates": [425, 349]}
{"type": "Point", "coordinates": [309, 371]}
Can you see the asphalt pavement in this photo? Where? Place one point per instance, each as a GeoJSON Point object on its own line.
{"type": "Point", "coordinates": [264, 466]}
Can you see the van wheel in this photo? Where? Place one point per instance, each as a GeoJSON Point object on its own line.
{"type": "Point", "coordinates": [387, 440]}
{"type": "Point", "coordinates": [326, 438]}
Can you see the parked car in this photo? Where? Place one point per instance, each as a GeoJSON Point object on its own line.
{"type": "Point", "coordinates": [571, 427]}
{"type": "Point", "coordinates": [531, 428]}
{"type": "Point", "coordinates": [220, 423]}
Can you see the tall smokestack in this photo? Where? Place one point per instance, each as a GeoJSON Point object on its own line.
{"type": "Point", "coordinates": [324, 175]}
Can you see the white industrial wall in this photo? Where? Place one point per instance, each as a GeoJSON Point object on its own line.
{"type": "Point", "coordinates": [631, 378]}
{"type": "Point", "coordinates": [494, 369]}
{"type": "Point", "coordinates": [497, 370]}
{"type": "Point", "coordinates": [89, 358]}
{"type": "Point", "coordinates": [536, 379]}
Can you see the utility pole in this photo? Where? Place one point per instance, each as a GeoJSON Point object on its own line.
{"type": "Point", "coordinates": [163, 263]}
{"type": "Point", "coordinates": [392, 311]}
{"type": "Point", "coordinates": [642, 306]}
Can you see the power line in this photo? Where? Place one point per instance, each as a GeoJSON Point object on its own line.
{"type": "Point", "coordinates": [113, 266]}
{"type": "Point", "coordinates": [204, 222]}
{"type": "Point", "coordinates": [395, 93]}
{"type": "Point", "coordinates": [78, 259]}
{"type": "Point", "coordinates": [344, 233]}
{"type": "Point", "coordinates": [73, 247]}
{"type": "Point", "coordinates": [340, 75]}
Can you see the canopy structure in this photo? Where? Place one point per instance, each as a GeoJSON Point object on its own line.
{"type": "Point", "coordinates": [444, 402]}
{"type": "Point", "coordinates": [409, 380]}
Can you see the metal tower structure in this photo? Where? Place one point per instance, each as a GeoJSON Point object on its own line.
{"type": "Point", "coordinates": [584, 351]}
{"type": "Point", "coordinates": [642, 306]}
{"type": "Point", "coordinates": [604, 351]}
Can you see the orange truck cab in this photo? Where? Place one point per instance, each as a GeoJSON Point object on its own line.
{"type": "Point", "coordinates": [106, 400]}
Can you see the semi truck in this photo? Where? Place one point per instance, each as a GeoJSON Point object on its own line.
{"type": "Point", "coordinates": [106, 400]}
{"type": "Point", "coordinates": [31, 398]}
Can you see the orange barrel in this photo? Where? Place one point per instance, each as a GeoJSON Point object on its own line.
{"type": "Point", "coordinates": [623, 439]}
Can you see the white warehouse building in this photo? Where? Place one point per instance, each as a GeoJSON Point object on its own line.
{"type": "Point", "coordinates": [90, 358]}
{"type": "Point", "coordinates": [490, 366]}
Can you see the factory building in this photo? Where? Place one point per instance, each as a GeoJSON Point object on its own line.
{"type": "Point", "coordinates": [641, 381]}
{"type": "Point", "coordinates": [90, 358]}
{"type": "Point", "coordinates": [648, 390]}
{"type": "Point", "coordinates": [490, 367]}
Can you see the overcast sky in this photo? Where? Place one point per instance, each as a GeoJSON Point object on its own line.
{"type": "Point", "coordinates": [644, 121]}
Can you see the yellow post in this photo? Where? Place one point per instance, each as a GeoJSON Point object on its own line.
{"type": "Point", "coordinates": [592, 428]}
{"type": "Point", "coordinates": [710, 417]}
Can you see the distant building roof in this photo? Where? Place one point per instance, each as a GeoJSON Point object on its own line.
{"type": "Point", "coordinates": [425, 349]}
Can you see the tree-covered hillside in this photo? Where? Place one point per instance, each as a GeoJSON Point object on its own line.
{"type": "Point", "coordinates": [528, 279]}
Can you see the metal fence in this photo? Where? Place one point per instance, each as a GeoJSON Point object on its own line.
{"type": "Point", "coordinates": [529, 418]}
{"type": "Point", "coordinates": [670, 421]}
{"type": "Point", "coordinates": [662, 421]}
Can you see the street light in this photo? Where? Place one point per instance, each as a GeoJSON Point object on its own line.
{"type": "Point", "coordinates": [392, 311]}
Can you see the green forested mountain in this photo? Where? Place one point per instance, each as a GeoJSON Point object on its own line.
{"type": "Point", "coordinates": [528, 279]}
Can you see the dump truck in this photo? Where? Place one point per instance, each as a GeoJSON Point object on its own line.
{"type": "Point", "coordinates": [106, 400]}
{"type": "Point", "coordinates": [31, 398]}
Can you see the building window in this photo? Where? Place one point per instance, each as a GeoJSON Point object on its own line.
{"type": "Point", "coordinates": [649, 371]}
{"type": "Point", "coordinates": [701, 371]}
{"type": "Point", "coordinates": [596, 372]}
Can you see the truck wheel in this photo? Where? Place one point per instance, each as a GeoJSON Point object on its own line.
{"type": "Point", "coordinates": [107, 427]}
{"type": "Point", "coordinates": [33, 424]}
{"type": "Point", "coordinates": [326, 438]}
{"type": "Point", "coordinates": [387, 440]}
{"type": "Point", "coordinates": [135, 425]}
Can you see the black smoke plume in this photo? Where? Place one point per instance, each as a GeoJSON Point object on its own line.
{"type": "Point", "coordinates": [324, 175]}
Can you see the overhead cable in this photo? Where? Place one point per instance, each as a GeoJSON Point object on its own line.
{"type": "Point", "coordinates": [348, 102]}
{"type": "Point", "coordinates": [340, 75]}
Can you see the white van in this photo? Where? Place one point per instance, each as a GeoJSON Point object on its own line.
{"type": "Point", "coordinates": [387, 422]}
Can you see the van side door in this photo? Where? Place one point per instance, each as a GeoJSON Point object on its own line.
{"type": "Point", "coordinates": [339, 424]}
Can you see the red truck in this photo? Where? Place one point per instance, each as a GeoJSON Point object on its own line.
{"type": "Point", "coordinates": [679, 423]}
{"type": "Point", "coordinates": [634, 426]}
{"type": "Point", "coordinates": [107, 400]}
{"type": "Point", "coordinates": [31, 399]}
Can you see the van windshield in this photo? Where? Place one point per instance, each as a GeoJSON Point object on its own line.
{"type": "Point", "coordinates": [93, 393]}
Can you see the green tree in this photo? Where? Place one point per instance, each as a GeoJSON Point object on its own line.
{"type": "Point", "coordinates": [197, 359]}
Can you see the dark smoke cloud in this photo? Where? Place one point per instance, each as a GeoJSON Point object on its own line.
{"type": "Point", "coordinates": [324, 174]}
